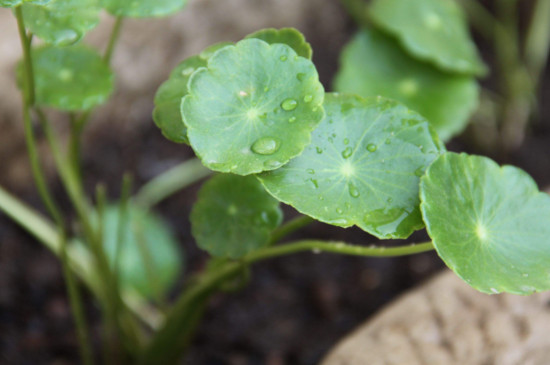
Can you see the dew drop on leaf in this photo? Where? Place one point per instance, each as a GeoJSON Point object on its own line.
{"type": "Point", "coordinates": [289, 104]}
{"type": "Point", "coordinates": [291, 119]}
{"type": "Point", "coordinates": [353, 191]}
{"type": "Point", "coordinates": [419, 172]}
{"type": "Point", "coordinates": [300, 76]}
{"type": "Point", "coordinates": [266, 146]}
{"type": "Point", "coordinates": [347, 152]}
{"type": "Point", "coordinates": [319, 150]}
{"type": "Point", "coordinates": [371, 147]}
{"type": "Point", "coordinates": [339, 210]}
{"type": "Point", "coordinates": [308, 98]}
{"type": "Point", "coordinates": [283, 58]}
{"type": "Point", "coordinates": [272, 164]}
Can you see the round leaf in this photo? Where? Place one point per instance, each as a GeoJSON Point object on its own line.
{"type": "Point", "coordinates": [253, 108]}
{"type": "Point", "coordinates": [167, 114]}
{"type": "Point", "coordinates": [13, 3]}
{"type": "Point", "coordinates": [373, 64]}
{"type": "Point", "coordinates": [289, 36]}
{"type": "Point", "coordinates": [143, 8]}
{"type": "Point", "coordinates": [70, 78]}
{"type": "Point", "coordinates": [362, 167]}
{"type": "Point", "coordinates": [431, 30]}
{"type": "Point", "coordinates": [489, 224]}
{"type": "Point", "coordinates": [233, 216]}
{"type": "Point", "coordinates": [149, 258]}
{"type": "Point", "coordinates": [61, 22]}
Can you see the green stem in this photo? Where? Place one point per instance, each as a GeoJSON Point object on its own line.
{"type": "Point", "coordinates": [170, 182]}
{"type": "Point", "coordinates": [74, 147]}
{"type": "Point", "coordinates": [74, 295]}
{"type": "Point", "coordinates": [290, 227]}
{"type": "Point", "coordinates": [481, 18]}
{"type": "Point", "coordinates": [537, 45]}
{"type": "Point", "coordinates": [163, 348]}
{"type": "Point", "coordinates": [115, 33]}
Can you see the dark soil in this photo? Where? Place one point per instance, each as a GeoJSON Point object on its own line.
{"type": "Point", "coordinates": [292, 312]}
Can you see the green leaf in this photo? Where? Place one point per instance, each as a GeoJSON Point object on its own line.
{"type": "Point", "coordinates": [167, 113]}
{"type": "Point", "coordinates": [14, 3]}
{"type": "Point", "coordinates": [373, 64]}
{"type": "Point", "coordinates": [70, 78]}
{"type": "Point", "coordinates": [289, 36]}
{"type": "Point", "coordinates": [362, 167]}
{"type": "Point", "coordinates": [489, 224]}
{"type": "Point", "coordinates": [233, 216]}
{"type": "Point", "coordinates": [144, 236]}
{"type": "Point", "coordinates": [61, 22]}
{"type": "Point", "coordinates": [143, 8]}
{"type": "Point", "coordinates": [431, 30]}
{"type": "Point", "coordinates": [253, 108]}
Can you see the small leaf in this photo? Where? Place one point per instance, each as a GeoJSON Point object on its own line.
{"type": "Point", "coordinates": [61, 22]}
{"type": "Point", "coordinates": [362, 167]}
{"type": "Point", "coordinates": [14, 3]}
{"type": "Point", "coordinates": [431, 30]}
{"type": "Point", "coordinates": [70, 78]}
{"type": "Point", "coordinates": [253, 108]}
{"type": "Point", "coordinates": [373, 64]}
{"type": "Point", "coordinates": [144, 235]}
{"type": "Point", "coordinates": [142, 8]}
{"type": "Point", "coordinates": [289, 36]}
{"type": "Point", "coordinates": [167, 114]}
{"type": "Point", "coordinates": [489, 224]}
{"type": "Point", "coordinates": [233, 216]}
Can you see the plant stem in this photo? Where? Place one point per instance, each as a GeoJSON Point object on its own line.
{"type": "Point", "coordinates": [537, 44]}
{"type": "Point", "coordinates": [115, 33]}
{"type": "Point", "coordinates": [163, 348]}
{"type": "Point", "coordinates": [74, 147]}
{"type": "Point", "coordinates": [289, 227]}
{"type": "Point", "coordinates": [74, 295]}
{"type": "Point", "coordinates": [170, 182]}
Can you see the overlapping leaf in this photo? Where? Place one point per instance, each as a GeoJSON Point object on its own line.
{"type": "Point", "coordinates": [143, 8]}
{"type": "Point", "coordinates": [431, 30]}
{"type": "Point", "coordinates": [373, 64]}
{"type": "Point", "coordinates": [253, 108]}
{"type": "Point", "coordinates": [489, 224]}
{"type": "Point", "coordinates": [70, 78]}
{"type": "Point", "coordinates": [149, 260]}
{"type": "Point", "coordinates": [13, 3]}
{"type": "Point", "coordinates": [233, 216]}
{"type": "Point", "coordinates": [167, 112]}
{"type": "Point", "coordinates": [289, 36]}
{"type": "Point", "coordinates": [362, 167]}
{"type": "Point", "coordinates": [61, 22]}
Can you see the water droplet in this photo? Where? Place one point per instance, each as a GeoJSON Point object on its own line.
{"type": "Point", "coordinates": [289, 104]}
{"type": "Point", "coordinates": [419, 171]}
{"type": "Point", "coordinates": [339, 210]}
{"type": "Point", "coordinates": [389, 200]}
{"type": "Point", "coordinates": [525, 275]}
{"type": "Point", "coordinates": [266, 89]}
{"type": "Point", "coordinates": [371, 147]}
{"type": "Point", "coordinates": [265, 146]}
{"type": "Point", "coordinates": [320, 197]}
{"type": "Point", "coordinates": [187, 71]}
{"type": "Point", "coordinates": [310, 171]}
{"type": "Point", "coordinates": [347, 152]}
{"type": "Point", "coordinates": [243, 93]}
{"type": "Point", "coordinates": [291, 119]}
{"type": "Point", "coordinates": [300, 76]}
{"type": "Point", "coordinates": [494, 290]}
{"type": "Point", "coordinates": [353, 191]}
{"type": "Point", "coordinates": [346, 141]}
{"type": "Point", "coordinates": [308, 98]}
{"type": "Point", "coordinates": [315, 183]}
{"type": "Point", "coordinates": [272, 164]}
{"type": "Point", "coordinates": [388, 141]}
{"type": "Point", "coordinates": [283, 58]}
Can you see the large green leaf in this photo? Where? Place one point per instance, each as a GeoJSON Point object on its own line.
{"type": "Point", "coordinates": [149, 260]}
{"type": "Point", "coordinates": [70, 78]}
{"type": "Point", "coordinates": [167, 112]}
{"type": "Point", "coordinates": [431, 30]}
{"type": "Point", "coordinates": [373, 64]}
{"type": "Point", "coordinates": [489, 224]}
{"type": "Point", "coordinates": [61, 22]}
{"type": "Point", "coordinates": [233, 216]}
{"type": "Point", "coordinates": [253, 108]}
{"type": "Point", "coordinates": [362, 167]}
{"type": "Point", "coordinates": [142, 8]}
{"type": "Point", "coordinates": [13, 3]}
{"type": "Point", "coordinates": [289, 36]}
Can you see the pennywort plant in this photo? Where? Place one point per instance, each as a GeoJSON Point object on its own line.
{"type": "Point", "coordinates": [371, 155]}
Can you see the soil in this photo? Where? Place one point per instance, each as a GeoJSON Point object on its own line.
{"type": "Point", "coordinates": [292, 312]}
